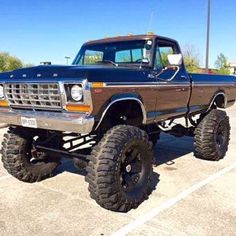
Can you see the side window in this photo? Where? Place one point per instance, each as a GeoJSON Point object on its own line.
{"type": "Point", "coordinates": [158, 60]}
{"type": "Point", "coordinates": [164, 48]}
{"type": "Point", "coordinates": [91, 57]}
{"type": "Point", "coordinates": [164, 52]}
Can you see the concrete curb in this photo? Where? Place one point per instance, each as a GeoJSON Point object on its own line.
{"type": "Point", "coordinates": [3, 125]}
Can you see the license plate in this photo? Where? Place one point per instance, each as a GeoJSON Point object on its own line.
{"type": "Point", "coordinates": [28, 122]}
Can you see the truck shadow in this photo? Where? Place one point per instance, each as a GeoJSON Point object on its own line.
{"type": "Point", "coordinates": [68, 166]}
{"type": "Point", "coordinates": [167, 150]}
{"type": "Point", "coordinates": [170, 148]}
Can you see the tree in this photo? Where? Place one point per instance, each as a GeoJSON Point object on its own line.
{"type": "Point", "coordinates": [191, 59]}
{"type": "Point", "coordinates": [8, 62]}
{"type": "Point", "coordinates": [222, 64]}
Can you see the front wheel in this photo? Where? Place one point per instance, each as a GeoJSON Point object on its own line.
{"type": "Point", "coordinates": [120, 169]}
{"type": "Point", "coordinates": [21, 158]}
{"type": "Point", "coordinates": [212, 136]}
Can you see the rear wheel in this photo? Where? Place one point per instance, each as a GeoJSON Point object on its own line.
{"type": "Point", "coordinates": [212, 136]}
{"type": "Point", "coordinates": [120, 169]}
{"type": "Point", "coordinates": [21, 158]}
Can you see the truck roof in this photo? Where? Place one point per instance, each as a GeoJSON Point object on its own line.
{"type": "Point", "coordinates": [128, 38]}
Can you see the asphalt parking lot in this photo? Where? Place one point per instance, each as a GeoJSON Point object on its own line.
{"type": "Point", "coordinates": [192, 197]}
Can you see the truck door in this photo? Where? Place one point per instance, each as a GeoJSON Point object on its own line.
{"type": "Point", "coordinates": [173, 82]}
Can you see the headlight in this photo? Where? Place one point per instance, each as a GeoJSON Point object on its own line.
{"type": "Point", "coordinates": [76, 93]}
{"type": "Point", "coordinates": [1, 92]}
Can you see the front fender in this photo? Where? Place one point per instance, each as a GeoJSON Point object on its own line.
{"type": "Point", "coordinates": [122, 97]}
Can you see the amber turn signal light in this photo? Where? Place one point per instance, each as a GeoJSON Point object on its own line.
{"type": "Point", "coordinates": [98, 85]}
{"type": "Point", "coordinates": [4, 103]}
{"type": "Point", "coordinates": [78, 108]}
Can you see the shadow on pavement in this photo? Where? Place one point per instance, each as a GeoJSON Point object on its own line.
{"type": "Point", "coordinates": [68, 166]}
{"type": "Point", "coordinates": [169, 148]}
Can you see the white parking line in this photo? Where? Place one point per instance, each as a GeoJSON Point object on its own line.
{"type": "Point", "coordinates": [5, 177]}
{"type": "Point", "coordinates": [171, 202]}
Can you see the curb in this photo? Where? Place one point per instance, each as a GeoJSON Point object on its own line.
{"type": "Point", "coordinates": [3, 125]}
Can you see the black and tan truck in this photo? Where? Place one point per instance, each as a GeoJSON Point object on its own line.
{"type": "Point", "coordinates": [106, 111]}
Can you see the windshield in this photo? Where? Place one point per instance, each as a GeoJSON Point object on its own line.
{"type": "Point", "coordinates": [126, 53]}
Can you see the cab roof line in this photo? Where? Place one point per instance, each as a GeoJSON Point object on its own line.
{"type": "Point", "coordinates": [128, 38]}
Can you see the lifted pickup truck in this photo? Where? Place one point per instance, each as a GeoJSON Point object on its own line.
{"type": "Point", "coordinates": [106, 111]}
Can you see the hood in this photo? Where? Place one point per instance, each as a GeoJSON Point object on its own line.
{"type": "Point", "coordinates": [62, 73]}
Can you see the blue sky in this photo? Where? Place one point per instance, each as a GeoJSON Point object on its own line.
{"type": "Point", "coordinates": [42, 30]}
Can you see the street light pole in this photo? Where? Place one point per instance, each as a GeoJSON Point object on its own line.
{"type": "Point", "coordinates": [67, 59]}
{"type": "Point", "coordinates": [208, 35]}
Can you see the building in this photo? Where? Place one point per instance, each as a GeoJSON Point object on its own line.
{"type": "Point", "coordinates": [233, 68]}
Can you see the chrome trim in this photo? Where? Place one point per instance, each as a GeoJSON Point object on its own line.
{"type": "Point", "coordinates": [148, 86]}
{"type": "Point", "coordinates": [198, 84]}
{"type": "Point", "coordinates": [67, 122]}
{"type": "Point", "coordinates": [87, 96]}
{"type": "Point", "coordinates": [33, 95]}
{"type": "Point", "coordinates": [124, 99]}
{"type": "Point", "coordinates": [163, 83]}
{"type": "Point", "coordinates": [63, 95]}
{"type": "Point", "coordinates": [215, 96]}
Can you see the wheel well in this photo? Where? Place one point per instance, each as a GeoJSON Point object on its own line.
{"type": "Point", "coordinates": [128, 112]}
{"type": "Point", "coordinates": [219, 101]}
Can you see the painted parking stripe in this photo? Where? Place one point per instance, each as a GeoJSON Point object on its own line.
{"type": "Point", "coordinates": [171, 202]}
{"type": "Point", "coordinates": [5, 177]}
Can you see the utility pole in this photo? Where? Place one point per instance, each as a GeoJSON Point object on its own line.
{"type": "Point", "coordinates": [208, 35]}
{"type": "Point", "coordinates": [67, 60]}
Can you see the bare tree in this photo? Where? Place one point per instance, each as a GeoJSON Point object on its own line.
{"type": "Point", "coordinates": [191, 58]}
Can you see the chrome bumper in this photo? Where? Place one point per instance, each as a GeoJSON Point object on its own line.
{"type": "Point", "coordinates": [69, 122]}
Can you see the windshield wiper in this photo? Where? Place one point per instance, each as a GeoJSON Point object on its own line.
{"type": "Point", "coordinates": [108, 62]}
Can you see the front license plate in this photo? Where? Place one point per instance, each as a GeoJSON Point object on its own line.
{"type": "Point", "coordinates": [29, 122]}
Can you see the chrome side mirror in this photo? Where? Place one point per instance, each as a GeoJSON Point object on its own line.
{"type": "Point", "coordinates": [175, 59]}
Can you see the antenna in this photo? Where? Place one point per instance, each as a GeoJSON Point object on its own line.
{"type": "Point", "coordinates": [148, 32]}
{"type": "Point", "coordinates": [150, 22]}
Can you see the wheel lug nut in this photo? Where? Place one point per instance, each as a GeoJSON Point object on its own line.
{"type": "Point", "coordinates": [128, 168]}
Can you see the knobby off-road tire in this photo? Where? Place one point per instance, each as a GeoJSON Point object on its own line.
{"type": "Point", "coordinates": [17, 157]}
{"type": "Point", "coordinates": [212, 136]}
{"type": "Point", "coordinates": [120, 169]}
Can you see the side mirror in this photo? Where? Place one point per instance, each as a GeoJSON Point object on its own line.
{"type": "Point", "coordinates": [175, 59]}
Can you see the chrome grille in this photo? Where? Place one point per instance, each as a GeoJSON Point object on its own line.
{"type": "Point", "coordinates": [34, 95]}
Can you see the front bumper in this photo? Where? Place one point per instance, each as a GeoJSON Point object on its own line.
{"type": "Point", "coordinates": [69, 122]}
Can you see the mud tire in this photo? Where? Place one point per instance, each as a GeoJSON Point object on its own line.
{"type": "Point", "coordinates": [212, 136]}
{"type": "Point", "coordinates": [15, 157]}
{"type": "Point", "coordinates": [105, 167]}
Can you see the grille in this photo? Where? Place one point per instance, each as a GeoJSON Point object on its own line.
{"type": "Point", "coordinates": [34, 96]}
